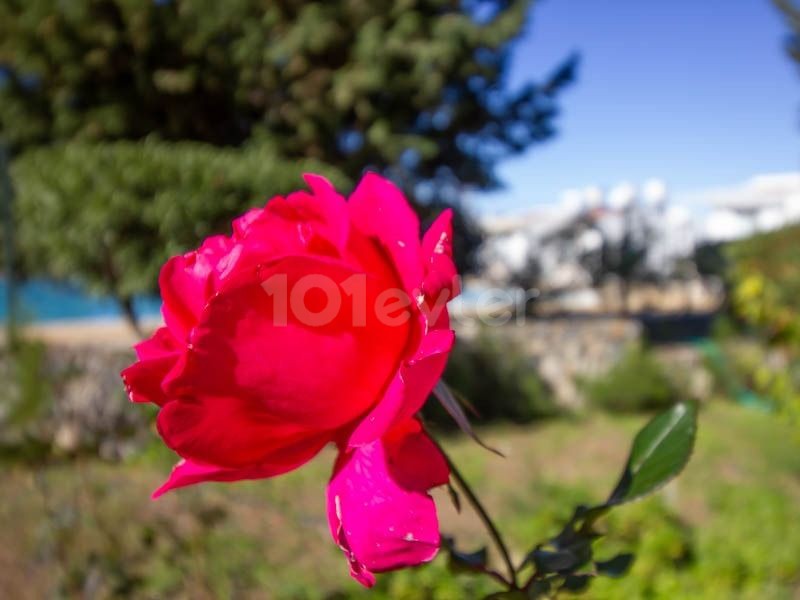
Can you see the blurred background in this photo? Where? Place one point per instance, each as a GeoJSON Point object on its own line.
{"type": "Point", "coordinates": [625, 179]}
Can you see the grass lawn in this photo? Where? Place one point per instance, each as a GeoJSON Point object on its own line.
{"type": "Point", "coordinates": [728, 528]}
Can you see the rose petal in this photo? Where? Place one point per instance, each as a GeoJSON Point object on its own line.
{"type": "Point", "coordinates": [437, 252]}
{"type": "Point", "coordinates": [289, 225]}
{"type": "Point", "coordinates": [157, 357]}
{"type": "Point", "coordinates": [379, 510]}
{"type": "Point", "coordinates": [190, 472]}
{"type": "Point", "coordinates": [379, 209]}
{"type": "Point", "coordinates": [380, 418]}
{"type": "Point", "coordinates": [228, 431]}
{"type": "Point", "coordinates": [301, 224]}
{"type": "Point", "coordinates": [315, 369]}
{"type": "Point", "coordinates": [408, 390]}
{"type": "Point", "coordinates": [241, 225]}
{"type": "Point", "coordinates": [426, 367]}
{"type": "Point", "coordinates": [187, 282]}
{"type": "Point", "coordinates": [161, 343]}
{"type": "Point", "coordinates": [143, 379]}
{"type": "Point", "coordinates": [323, 190]}
{"type": "Point", "coordinates": [414, 459]}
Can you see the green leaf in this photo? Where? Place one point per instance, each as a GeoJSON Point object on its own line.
{"type": "Point", "coordinates": [576, 583]}
{"type": "Point", "coordinates": [571, 548]}
{"type": "Point", "coordinates": [454, 497]}
{"type": "Point", "coordinates": [465, 561]}
{"type": "Point", "coordinates": [660, 451]}
{"type": "Point", "coordinates": [448, 401]}
{"type": "Point", "coordinates": [615, 567]}
{"type": "Point", "coordinates": [547, 561]}
{"type": "Point", "coordinates": [540, 588]}
{"type": "Point", "coordinates": [584, 518]}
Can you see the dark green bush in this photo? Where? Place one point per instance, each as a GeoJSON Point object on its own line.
{"type": "Point", "coordinates": [25, 397]}
{"type": "Point", "coordinates": [637, 382]}
{"type": "Point", "coordinates": [764, 277]}
{"type": "Point", "coordinates": [497, 380]}
{"type": "Point", "coordinates": [109, 214]}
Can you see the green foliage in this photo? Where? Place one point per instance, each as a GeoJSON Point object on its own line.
{"type": "Point", "coordinates": [792, 13]}
{"type": "Point", "coordinates": [110, 214]}
{"type": "Point", "coordinates": [739, 556]}
{"type": "Point", "coordinates": [566, 562]}
{"type": "Point", "coordinates": [26, 362]}
{"type": "Point", "coordinates": [415, 89]}
{"type": "Point", "coordinates": [637, 382]}
{"type": "Point", "coordinates": [742, 551]}
{"type": "Point", "coordinates": [25, 396]}
{"type": "Point", "coordinates": [709, 259]}
{"type": "Point", "coordinates": [765, 279]}
{"type": "Point", "coordinates": [660, 451]}
{"type": "Point", "coordinates": [351, 83]}
{"type": "Point", "coordinates": [765, 276]}
{"type": "Point", "coordinates": [664, 545]}
{"type": "Point", "coordinates": [123, 558]}
{"type": "Point", "coordinates": [497, 380]}
{"type": "Point", "coordinates": [724, 531]}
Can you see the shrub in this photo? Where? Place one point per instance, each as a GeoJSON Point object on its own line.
{"type": "Point", "coordinates": [26, 395]}
{"type": "Point", "coordinates": [765, 279]}
{"type": "Point", "coordinates": [109, 214]}
{"type": "Point", "coordinates": [765, 282]}
{"type": "Point", "coordinates": [637, 382]}
{"type": "Point", "coordinates": [496, 378]}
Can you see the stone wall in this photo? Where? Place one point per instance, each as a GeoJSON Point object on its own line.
{"type": "Point", "coordinates": [86, 408]}
{"type": "Point", "coordinates": [670, 297]}
{"type": "Point", "coordinates": [563, 350]}
{"type": "Point", "coordinates": [82, 404]}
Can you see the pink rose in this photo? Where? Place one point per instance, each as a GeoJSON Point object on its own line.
{"type": "Point", "coordinates": [319, 320]}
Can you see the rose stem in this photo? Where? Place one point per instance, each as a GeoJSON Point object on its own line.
{"type": "Point", "coordinates": [494, 533]}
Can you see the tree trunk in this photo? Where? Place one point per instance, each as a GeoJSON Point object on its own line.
{"type": "Point", "coordinates": [126, 303]}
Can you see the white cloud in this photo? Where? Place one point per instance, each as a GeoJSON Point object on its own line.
{"type": "Point", "coordinates": [761, 203]}
{"type": "Point", "coordinates": [762, 192]}
{"type": "Point", "coordinates": [725, 225]}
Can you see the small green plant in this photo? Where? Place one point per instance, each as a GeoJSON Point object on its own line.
{"type": "Point", "coordinates": [765, 281]}
{"type": "Point", "coordinates": [25, 397]}
{"type": "Point", "coordinates": [115, 211]}
{"type": "Point", "coordinates": [566, 562]}
{"type": "Point", "coordinates": [720, 533]}
{"type": "Point", "coordinates": [637, 382]}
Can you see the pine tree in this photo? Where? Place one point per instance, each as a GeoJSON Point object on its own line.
{"type": "Point", "coordinates": [792, 12]}
{"type": "Point", "coordinates": [104, 95]}
{"type": "Point", "coordinates": [416, 87]}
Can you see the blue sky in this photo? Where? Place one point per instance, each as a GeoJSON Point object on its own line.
{"type": "Point", "coordinates": [697, 92]}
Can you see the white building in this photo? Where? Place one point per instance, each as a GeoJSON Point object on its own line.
{"type": "Point", "coordinates": [561, 241]}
